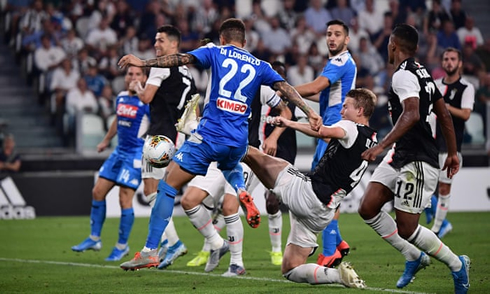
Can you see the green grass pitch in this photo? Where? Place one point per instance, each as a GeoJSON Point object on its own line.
{"type": "Point", "coordinates": [35, 257]}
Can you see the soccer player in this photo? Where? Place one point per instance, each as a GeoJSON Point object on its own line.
{"type": "Point", "coordinates": [215, 184]}
{"type": "Point", "coordinates": [459, 96]}
{"type": "Point", "coordinates": [408, 173]}
{"type": "Point", "coordinates": [313, 199]}
{"type": "Point", "coordinates": [167, 91]}
{"type": "Point", "coordinates": [235, 77]}
{"type": "Point", "coordinates": [122, 168]}
{"type": "Point", "coordinates": [337, 78]}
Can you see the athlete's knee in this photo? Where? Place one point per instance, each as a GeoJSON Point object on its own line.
{"type": "Point", "coordinates": [98, 194]}
{"type": "Point", "coordinates": [272, 203]}
{"type": "Point", "coordinates": [444, 189]}
{"type": "Point", "coordinates": [230, 205]}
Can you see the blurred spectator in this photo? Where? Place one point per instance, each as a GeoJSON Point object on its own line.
{"type": "Point", "coordinates": [483, 99]}
{"type": "Point", "coordinates": [261, 22]}
{"type": "Point", "coordinates": [355, 34]}
{"type": "Point", "coordinates": [147, 19]}
{"type": "Point", "coordinates": [251, 35]}
{"type": "Point", "coordinates": [484, 53]}
{"type": "Point", "coordinates": [342, 11]}
{"type": "Point", "coordinates": [189, 39]}
{"type": "Point", "coordinates": [458, 15]}
{"type": "Point", "coordinates": [302, 35]}
{"type": "Point", "coordinates": [95, 81]}
{"type": "Point", "coordinates": [316, 17]}
{"type": "Point", "coordinates": [145, 49]}
{"type": "Point", "coordinates": [288, 15]}
{"type": "Point", "coordinates": [271, 7]}
{"type": "Point", "coordinates": [10, 161]}
{"type": "Point", "coordinates": [470, 34]}
{"type": "Point", "coordinates": [105, 11]}
{"type": "Point", "coordinates": [32, 20]}
{"type": "Point", "coordinates": [472, 65]}
{"type": "Point", "coordinates": [243, 8]}
{"type": "Point", "coordinates": [32, 41]}
{"type": "Point", "coordinates": [371, 60]}
{"type": "Point", "coordinates": [399, 15]}
{"type": "Point", "coordinates": [370, 19]}
{"type": "Point", "coordinates": [150, 32]}
{"type": "Point", "coordinates": [277, 39]}
{"type": "Point", "coordinates": [301, 73]}
{"type": "Point", "coordinates": [84, 61]}
{"type": "Point", "coordinates": [381, 38]}
{"type": "Point", "coordinates": [447, 37]}
{"type": "Point", "coordinates": [106, 103]}
{"type": "Point", "coordinates": [315, 59]}
{"type": "Point", "coordinates": [129, 42]}
{"type": "Point", "coordinates": [436, 16]}
{"type": "Point", "coordinates": [123, 19]}
{"type": "Point", "coordinates": [71, 43]}
{"type": "Point", "coordinates": [108, 64]}
{"type": "Point", "coordinates": [206, 15]}
{"type": "Point", "coordinates": [64, 79]}
{"type": "Point", "coordinates": [262, 52]}
{"type": "Point", "coordinates": [100, 38]}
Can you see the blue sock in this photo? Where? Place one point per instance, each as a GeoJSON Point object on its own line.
{"type": "Point", "coordinates": [160, 214]}
{"type": "Point", "coordinates": [235, 177]}
{"type": "Point", "coordinates": [339, 236]}
{"type": "Point", "coordinates": [176, 245]}
{"type": "Point", "coordinates": [125, 225]}
{"type": "Point", "coordinates": [330, 238]}
{"type": "Point", "coordinates": [433, 204]}
{"type": "Point", "coordinates": [97, 217]}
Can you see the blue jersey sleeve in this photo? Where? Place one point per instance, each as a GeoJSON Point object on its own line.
{"type": "Point", "coordinates": [204, 55]}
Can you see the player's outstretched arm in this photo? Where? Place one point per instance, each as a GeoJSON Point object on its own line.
{"type": "Point", "coordinates": [447, 128]}
{"type": "Point", "coordinates": [171, 60]}
{"type": "Point", "coordinates": [292, 95]}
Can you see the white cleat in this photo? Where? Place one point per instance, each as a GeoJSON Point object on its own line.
{"type": "Point", "coordinates": [188, 121]}
{"type": "Point", "coordinates": [349, 277]}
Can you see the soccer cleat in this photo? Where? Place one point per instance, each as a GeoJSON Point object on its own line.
{"type": "Point", "coordinates": [330, 261]}
{"type": "Point", "coordinates": [251, 211]}
{"type": "Point", "coordinates": [215, 256]}
{"type": "Point", "coordinates": [234, 270]}
{"type": "Point", "coordinates": [201, 259]}
{"type": "Point", "coordinates": [349, 277]}
{"type": "Point", "coordinates": [276, 258]}
{"type": "Point", "coordinates": [162, 252]}
{"type": "Point", "coordinates": [462, 277]}
{"type": "Point", "coordinates": [117, 254]}
{"type": "Point", "coordinates": [174, 251]}
{"type": "Point", "coordinates": [141, 260]}
{"type": "Point", "coordinates": [88, 244]}
{"type": "Point", "coordinates": [343, 248]}
{"type": "Point", "coordinates": [411, 268]}
{"type": "Point", "coordinates": [446, 228]}
{"type": "Point", "coordinates": [188, 121]}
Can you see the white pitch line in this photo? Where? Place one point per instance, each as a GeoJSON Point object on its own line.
{"type": "Point", "coordinates": [190, 273]}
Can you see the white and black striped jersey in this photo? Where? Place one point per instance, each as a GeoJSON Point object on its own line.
{"type": "Point", "coordinates": [341, 166]}
{"type": "Point", "coordinates": [460, 94]}
{"type": "Point", "coordinates": [175, 87]}
{"type": "Point", "coordinates": [411, 79]}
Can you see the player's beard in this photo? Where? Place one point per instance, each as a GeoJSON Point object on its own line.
{"type": "Point", "coordinates": [339, 49]}
{"type": "Point", "coordinates": [451, 72]}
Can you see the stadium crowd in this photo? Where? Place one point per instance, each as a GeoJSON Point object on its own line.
{"type": "Point", "coordinates": [69, 49]}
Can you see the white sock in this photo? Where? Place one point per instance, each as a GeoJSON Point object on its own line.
{"type": "Point", "coordinates": [441, 212]}
{"type": "Point", "coordinates": [275, 230]}
{"type": "Point", "coordinates": [201, 219]}
{"type": "Point", "coordinates": [234, 231]}
{"type": "Point", "coordinates": [426, 240]}
{"type": "Point", "coordinates": [385, 226]}
{"type": "Point", "coordinates": [94, 238]}
{"type": "Point", "coordinates": [171, 233]}
{"type": "Point", "coordinates": [219, 222]}
{"type": "Point", "coordinates": [313, 274]}
{"type": "Point", "coordinates": [151, 198]}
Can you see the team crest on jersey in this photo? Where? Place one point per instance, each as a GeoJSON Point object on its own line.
{"type": "Point", "coordinates": [231, 106]}
{"type": "Point", "coordinates": [452, 94]}
{"type": "Point", "coordinates": [127, 110]}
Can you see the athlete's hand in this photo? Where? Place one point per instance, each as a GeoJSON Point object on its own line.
{"type": "Point", "coordinates": [270, 146]}
{"type": "Point", "coordinates": [102, 146]}
{"type": "Point", "coordinates": [372, 153]}
{"type": "Point", "coordinates": [315, 121]}
{"type": "Point", "coordinates": [128, 60]}
{"type": "Point", "coordinates": [452, 165]}
{"type": "Point", "coordinates": [280, 121]}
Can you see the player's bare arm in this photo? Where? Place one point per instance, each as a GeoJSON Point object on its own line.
{"type": "Point", "coordinates": [165, 61]}
{"type": "Point", "coordinates": [293, 96]}
{"type": "Point", "coordinates": [447, 128]}
{"type": "Point", "coordinates": [270, 143]}
{"type": "Point", "coordinates": [463, 113]}
{"type": "Point", "coordinates": [310, 90]}
{"type": "Point", "coordinates": [409, 117]}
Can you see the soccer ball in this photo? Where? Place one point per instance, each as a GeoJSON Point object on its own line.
{"type": "Point", "coordinates": [158, 151]}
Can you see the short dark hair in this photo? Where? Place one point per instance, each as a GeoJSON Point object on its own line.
{"type": "Point", "coordinates": [171, 31]}
{"type": "Point", "coordinates": [364, 98]}
{"type": "Point", "coordinates": [407, 37]}
{"type": "Point", "coordinates": [452, 49]}
{"type": "Point", "coordinates": [233, 29]}
{"type": "Point", "coordinates": [279, 65]}
{"type": "Point", "coordinates": [340, 23]}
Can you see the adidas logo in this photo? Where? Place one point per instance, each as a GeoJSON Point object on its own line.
{"type": "Point", "coordinates": [12, 204]}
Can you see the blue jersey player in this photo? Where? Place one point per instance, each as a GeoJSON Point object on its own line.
{"type": "Point", "coordinates": [122, 168]}
{"type": "Point", "coordinates": [222, 133]}
{"type": "Point", "coordinates": [338, 78]}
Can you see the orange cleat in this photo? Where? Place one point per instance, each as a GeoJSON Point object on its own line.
{"type": "Point", "coordinates": [251, 212]}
